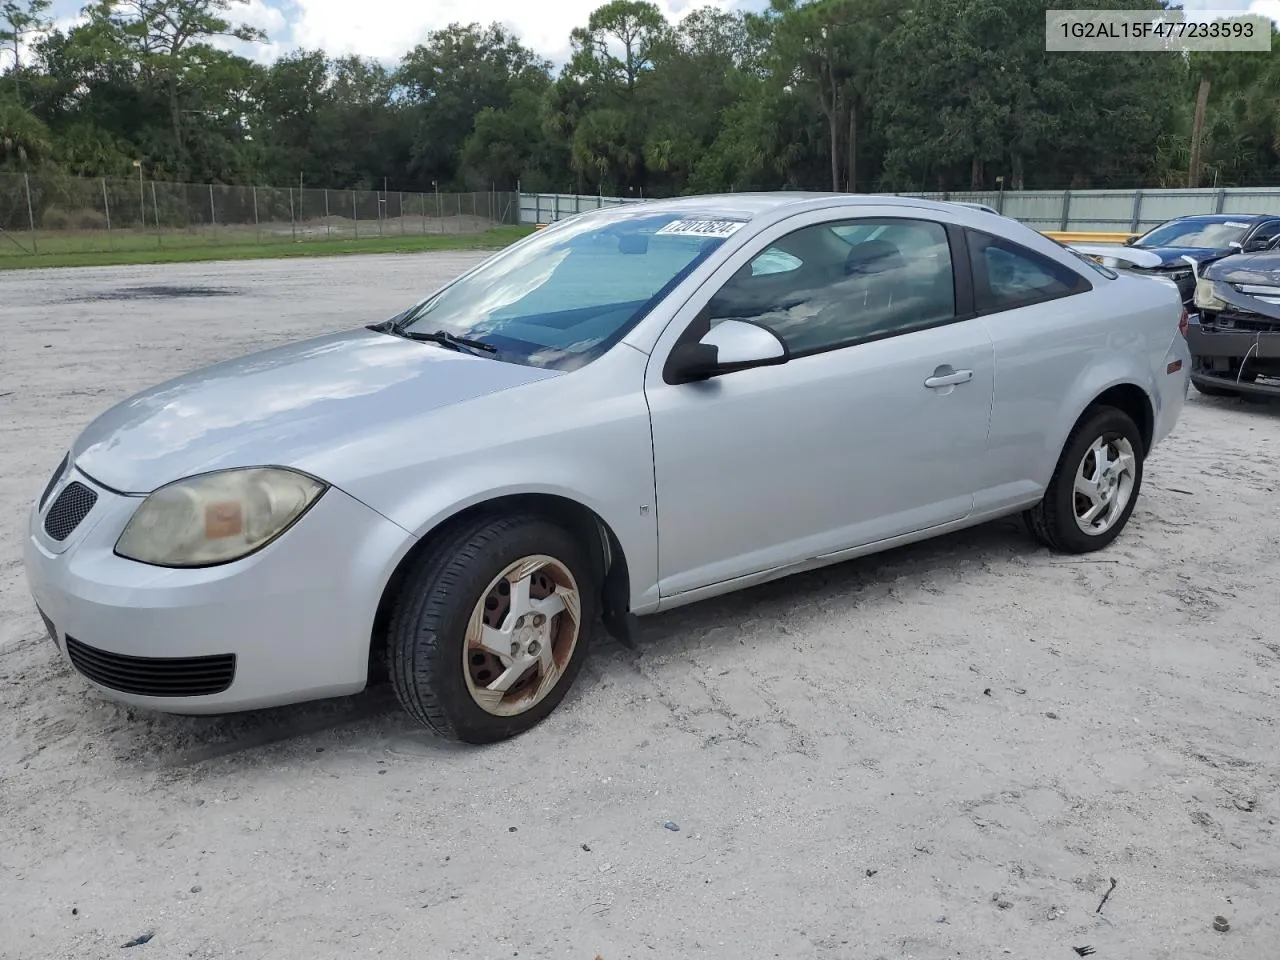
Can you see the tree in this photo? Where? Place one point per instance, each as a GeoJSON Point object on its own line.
{"type": "Point", "coordinates": [167, 41]}
{"type": "Point", "coordinates": [23, 138]}
{"type": "Point", "coordinates": [618, 44]}
{"type": "Point", "coordinates": [700, 65]}
{"type": "Point", "coordinates": [17, 22]}
{"type": "Point", "coordinates": [447, 81]}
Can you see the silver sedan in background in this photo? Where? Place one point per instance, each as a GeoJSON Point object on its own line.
{"type": "Point", "coordinates": [634, 409]}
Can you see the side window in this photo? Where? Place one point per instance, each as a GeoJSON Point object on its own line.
{"type": "Point", "coordinates": [1267, 232]}
{"type": "Point", "coordinates": [1008, 275]}
{"type": "Point", "coordinates": [774, 260]}
{"type": "Point", "coordinates": [835, 284]}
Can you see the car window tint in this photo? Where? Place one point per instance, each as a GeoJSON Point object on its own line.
{"type": "Point", "coordinates": [1008, 275]}
{"type": "Point", "coordinates": [845, 283]}
{"type": "Point", "coordinates": [1268, 231]}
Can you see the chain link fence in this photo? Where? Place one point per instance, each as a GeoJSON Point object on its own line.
{"type": "Point", "coordinates": [42, 213]}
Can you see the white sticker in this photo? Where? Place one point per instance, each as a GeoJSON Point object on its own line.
{"type": "Point", "coordinates": [717, 229]}
{"type": "Point", "coordinates": [1233, 223]}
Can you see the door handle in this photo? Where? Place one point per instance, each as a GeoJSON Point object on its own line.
{"type": "Point", "coordinates": [940, 379]}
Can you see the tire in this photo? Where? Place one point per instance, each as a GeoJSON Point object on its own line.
{"type": "Point", "coordinates": [1053, 521]}
{"type": "Point", "coordinates": [431, 655]}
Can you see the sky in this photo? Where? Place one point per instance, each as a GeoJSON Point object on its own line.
{"type": "Point", "coordinates": [386, 29]}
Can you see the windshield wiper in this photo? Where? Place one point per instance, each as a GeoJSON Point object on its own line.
{"type": "Point", "coordinates": [445, 339]}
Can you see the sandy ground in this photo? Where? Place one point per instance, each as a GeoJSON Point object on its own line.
{"type": "Point", "coordinates": [944, 751]}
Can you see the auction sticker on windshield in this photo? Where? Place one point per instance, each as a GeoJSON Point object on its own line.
{"type": "Point", "coordinates": [718, 229]}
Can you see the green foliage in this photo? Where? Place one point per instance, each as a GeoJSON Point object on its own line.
{"type": "Point", "coordinates": [813, 94]}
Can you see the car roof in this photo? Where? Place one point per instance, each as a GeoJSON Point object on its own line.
{"type": "Point", "coordinates": [752, 205]}
{"type": "Point", "coordinates": [1224, 217]}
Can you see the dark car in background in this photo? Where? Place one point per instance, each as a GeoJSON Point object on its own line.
{"type": "Point", "coordinates": [1235, 348]}
{"type": "Point", "coordinates": [1204, 238]}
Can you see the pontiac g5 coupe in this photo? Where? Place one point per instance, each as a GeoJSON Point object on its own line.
{"type": "Point", "coordinates": [634, 409]}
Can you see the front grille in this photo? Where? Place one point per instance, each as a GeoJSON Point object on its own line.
{"type": "Point", "coordinates": [53, 481]}
{"type": "Point", "coordinates": [72, 505]}
{"type": "Point", "coordinates": [154, 676]}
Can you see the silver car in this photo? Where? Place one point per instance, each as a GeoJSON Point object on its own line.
{"type": "Point", "coordinates": [632, 410]}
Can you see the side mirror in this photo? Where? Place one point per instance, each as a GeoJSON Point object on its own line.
{"type": "Point", "coordinates": [1130, 241]}
{"type": "Point", "coordinates": [728, 346]}
{"type": "Point", "coordinates": [1253, 246]}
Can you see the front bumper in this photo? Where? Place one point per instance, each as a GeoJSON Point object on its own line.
{"type": "Point", "coordinates": [1235, 345]}
{"type": "Point", "coordinates": [1220, 357]}
{"type": "Point", "coordinates": [289, 623]}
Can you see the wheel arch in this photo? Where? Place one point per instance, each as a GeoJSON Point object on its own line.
{"type": "Point", "coordinates": [585, 524]}
{"type": "Point", "coordinates": [1131, 399]}
{"type": "Point", "coordinates": [1117, 385]}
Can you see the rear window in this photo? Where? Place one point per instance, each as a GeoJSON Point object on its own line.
{"type": "Point", "coordinates": [1087, 260]}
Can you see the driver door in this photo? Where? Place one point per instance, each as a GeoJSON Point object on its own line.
{"type": "Point", "coordinates": [844, 445]}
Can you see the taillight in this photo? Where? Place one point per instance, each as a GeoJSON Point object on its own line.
{"type": "Point", "coordinates": [1184, 321]}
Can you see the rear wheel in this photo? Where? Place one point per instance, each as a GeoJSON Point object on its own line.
{"type": "Point", "coordinates": [1095, 486]}
{"type": "Point", "coordinates": [491, 627]}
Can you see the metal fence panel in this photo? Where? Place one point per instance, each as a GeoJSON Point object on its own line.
{"type": "Point", "coordinates": [1041, 209]}
{"type": "Point", "coordinates": [1251, 201]}
{"type": "Point", "coordinates": [1103, 211]}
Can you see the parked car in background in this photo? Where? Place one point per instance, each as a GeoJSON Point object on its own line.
{"type": "Point", "coordinates": [618, 415]}
{"type": "Point", "coordinates": [1235, 347]}
{"type": "Point", "coordinates": [1203, 238]}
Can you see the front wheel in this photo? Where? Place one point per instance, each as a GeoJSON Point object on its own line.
{"type": "Point", "coordinates": [491, 627]}
{"type": "Point", "coordinates": [1095, 486]}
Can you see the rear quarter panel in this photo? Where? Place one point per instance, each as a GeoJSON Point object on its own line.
{"type": "Point", "coordinates": [1054, 359]}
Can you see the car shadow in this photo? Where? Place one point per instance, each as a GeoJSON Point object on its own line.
{"type": "Point", "coordinates": [1254, 406]}
{"type": "Point", "coordinates": [171, 742]}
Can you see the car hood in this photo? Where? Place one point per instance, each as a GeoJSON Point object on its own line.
{"type": "Point", "coordinates": [282, 405]}
{"type": "Point", "coordinates": [1172, 256]}
{"type": "Point", "coordinates": [1249, 282]}
{"type": "Point", "coordinates": [1260, 268]}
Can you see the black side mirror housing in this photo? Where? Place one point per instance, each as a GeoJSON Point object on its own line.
{"type": "Point", "coordinates": [729, 346]}
{"type": "Point", "coordinates": [691, 362]}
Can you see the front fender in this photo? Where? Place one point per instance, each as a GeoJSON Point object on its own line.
{"type": "Point", "coordinates": [583, 437]}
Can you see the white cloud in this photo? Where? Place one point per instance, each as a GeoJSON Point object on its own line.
{"type": "Point", "coordinates": [386, 29]}
{"type": "Point", "coordinates": [271, 20]}
{"type": "Point", "coordinates": [1266, 8]}
{"type": "Point", "coordinates": [1215, 9]}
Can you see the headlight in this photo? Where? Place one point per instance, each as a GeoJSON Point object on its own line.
{"type": "Point", "coordinates": [1205, 298]}
{"type": "Point", "coordinates": [216, 517]}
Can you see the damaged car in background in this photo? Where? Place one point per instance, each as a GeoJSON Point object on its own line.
{"type": "Point", "coordinates": [1235, 347]}
{"type": "Point", "coordinates": [1176, 248]}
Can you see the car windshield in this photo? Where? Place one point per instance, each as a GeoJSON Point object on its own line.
{"type": "Point", "coordinates": [565, 295]}
{"type": "Point", "coordinates": [1211, 235]}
